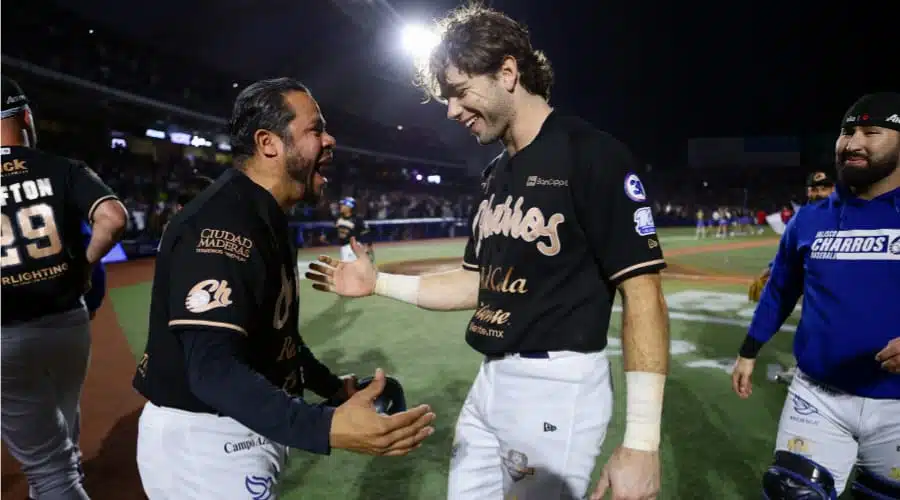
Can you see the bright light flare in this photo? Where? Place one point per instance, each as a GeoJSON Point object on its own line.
{"type": "Point", "coordinates": [418, 40]}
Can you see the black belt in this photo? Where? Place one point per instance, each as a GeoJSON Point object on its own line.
{"type": "Point", "coordinates": [523, 354]}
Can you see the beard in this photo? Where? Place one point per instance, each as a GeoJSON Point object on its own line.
{"type": "Point", "coordinates": [861, 178]}
{"type": "Point", "coordinates": [303, 172]}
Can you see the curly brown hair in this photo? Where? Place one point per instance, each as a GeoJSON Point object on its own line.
{"type": "Point", "coordinates": [476, 39]}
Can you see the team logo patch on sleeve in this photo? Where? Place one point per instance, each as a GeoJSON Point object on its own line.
{"type": "Point", "coordinates": [208, 295]}
{"type": "Point", "coordinates": [643, 222]}
{"type": "Point", "coordinates": [634, 188]}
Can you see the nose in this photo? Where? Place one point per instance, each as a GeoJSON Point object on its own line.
{"type": "Point", "coordinates": [454, 110]}
{"type": "Point", "coordinates": [328, 141]}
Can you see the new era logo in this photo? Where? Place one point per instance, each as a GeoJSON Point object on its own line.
{"type": "Point", "coordinates": [894, 118]}
{"type": "Point", "coordinates": [549, 427]}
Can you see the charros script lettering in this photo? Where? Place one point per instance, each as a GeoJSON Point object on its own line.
{"type": "Point", "coordinates": [507, 219]}
{"type": "Point", "coordinates": [498, 279]}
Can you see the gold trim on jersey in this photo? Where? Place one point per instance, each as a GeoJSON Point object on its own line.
{"type": "Point", "coordinates": [101, 200]}
{"type": "Point", "coordinates": [200, 322]}
{"type": "Point", "coordinates": [636, 266]}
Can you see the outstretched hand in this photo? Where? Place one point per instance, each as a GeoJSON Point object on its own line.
{"type": "Point", "coordinates": [348, 279]}
{"type": "Point", "coordinates": [357, 427]}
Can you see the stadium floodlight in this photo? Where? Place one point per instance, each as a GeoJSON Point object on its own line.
{"type": "Point", "coordinates": [418, 40]}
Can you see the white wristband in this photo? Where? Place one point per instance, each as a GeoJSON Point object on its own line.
{"type": "Point", "coordinates": [399, 287]}
{"type": "Point", "coordinates": [643, 417]}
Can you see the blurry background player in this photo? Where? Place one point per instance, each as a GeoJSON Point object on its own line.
{"type": "Point", "coordinates": [701, 226]}
{"type": "Point", "coordinates": [843, 256]}
{"type": "Point", "coordinates": [818, 187]}
{"type": "Point", "coordinates": [350, 225]}
{"type": "Point", "coordinates": [718, 220]}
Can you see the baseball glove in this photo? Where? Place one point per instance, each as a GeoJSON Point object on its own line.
{"type": "Point", "coordinates": [757, 286]}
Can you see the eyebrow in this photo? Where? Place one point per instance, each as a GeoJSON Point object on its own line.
{"type": "Point", "coordinates": [318, 123]}
{"type": "Point", "coordinates": [452, 88]}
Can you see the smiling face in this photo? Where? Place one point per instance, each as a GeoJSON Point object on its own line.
{"type": "Point", "coordinates": [480, 103]}
{"type": "Point", "coordinates": [865, 155]}
{"type": "Point", "coordinates": [482, 65]}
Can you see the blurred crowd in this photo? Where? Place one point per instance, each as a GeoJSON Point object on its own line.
{"type": "Point", "coordinates": [77, 122]}
{"type": "Point", "coordinates": [76, 47]}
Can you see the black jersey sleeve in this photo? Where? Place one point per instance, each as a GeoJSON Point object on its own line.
{"type": "Point", "coordinates": [318, 377]}
{"type": "Point", "coordinates": [218, 376]}
{"type": "Point", "coordinates": [86, 189]}
{"type": "Point", "coordinates": [614, 209]}
{"type": "Point", "coordinates": [217, 277]}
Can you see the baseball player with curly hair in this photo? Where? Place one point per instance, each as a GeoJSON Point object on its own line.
{"type": "Point", "coordinates": [563, 224]}
{"type": "Point", "coordinates": [842, 255]}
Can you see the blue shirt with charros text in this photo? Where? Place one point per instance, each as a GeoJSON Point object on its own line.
{"type": "Point", "coordinates": [842, 254]}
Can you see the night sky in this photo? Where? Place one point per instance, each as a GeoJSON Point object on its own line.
{"type": "Point", "coordinates": [652, 73]}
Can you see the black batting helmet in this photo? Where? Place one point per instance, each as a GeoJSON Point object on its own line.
{"type": "Point", "coordinates": [391, 400]}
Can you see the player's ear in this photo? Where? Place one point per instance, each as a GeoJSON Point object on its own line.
{"type": "Point", "coordinates": [508, 75]}
{"type": "Point", "coordinates": [268, 144]}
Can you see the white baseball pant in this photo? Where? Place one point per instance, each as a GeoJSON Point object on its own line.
{"type": "Point", "coordinates": [347, 254]}
{"type": "Point", "coordinates": [531, 428]}
{"type": "Point", "coordinates": [838, 430]}
{"type": "Point", "coordinates": [183, 455]}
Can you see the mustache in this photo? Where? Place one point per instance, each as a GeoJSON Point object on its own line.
{"type": "Point", "coordinates": [849, 155]}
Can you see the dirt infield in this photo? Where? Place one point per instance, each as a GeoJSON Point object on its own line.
{"type": "Point", "coordinates": [110, 407]}
{"type": "Point", "coordinates": [673, 271]}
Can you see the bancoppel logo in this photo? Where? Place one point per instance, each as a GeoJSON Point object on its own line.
{"type": "Point", "coordinates": [534, 180]}
{"type": "Point", "coordinates": [860, 244]}
{"type": "Point", "coordinates": [894, 118]}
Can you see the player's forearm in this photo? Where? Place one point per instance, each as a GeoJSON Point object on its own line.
{"type": "Point", "coordinates": [107, 228]}
{"type": "Point", "coordinates": [454, 290]}
{"type": "Point", "coordinates": [221, 381]}
{"type": "Point", "coordinates": [645, 346]}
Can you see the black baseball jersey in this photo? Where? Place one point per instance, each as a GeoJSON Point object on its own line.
{"type": "Point", "coordinates": [45, 200]}
{"type": "Point", "coordinates": [226, 262]}
{"type": "Point", "coordinates": [351, 227]}
{"type": "Point", "coordinates": [560, 224]}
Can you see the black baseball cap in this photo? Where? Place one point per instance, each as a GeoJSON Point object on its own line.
{"type": "Point", "coordinates": [881, 109]}
{"type": "Point", "coordinates": [14, 99]}
{"type": "Point", "coordinates": [819, 179]}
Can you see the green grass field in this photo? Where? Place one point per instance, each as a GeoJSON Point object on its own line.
{"type": "Point", "coordinates": [714, 445]}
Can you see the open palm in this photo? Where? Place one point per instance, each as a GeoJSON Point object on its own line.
{"type": "Point", "coordinates": [348, 279]}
